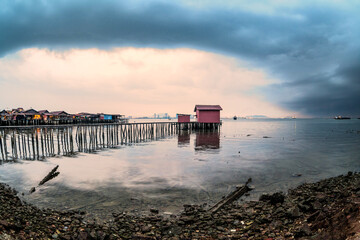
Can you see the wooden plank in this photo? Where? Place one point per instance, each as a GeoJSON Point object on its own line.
{"type": "Point", "coordinates": [231, 197]}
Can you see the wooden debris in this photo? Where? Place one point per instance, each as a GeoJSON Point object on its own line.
{"type": "Point", "coordinates": [52, 174]}
{"type": "Point", "coordinates": [33, 189]}
{"type": "Point", "coordinates": [231, 197]}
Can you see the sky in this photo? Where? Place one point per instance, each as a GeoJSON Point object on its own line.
{"type": "Point", "coordinates": [274, 58]}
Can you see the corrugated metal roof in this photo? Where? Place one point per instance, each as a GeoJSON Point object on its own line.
{"type": "Point", "coordinates": [207, 107]}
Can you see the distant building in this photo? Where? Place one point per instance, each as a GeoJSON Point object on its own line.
{"type": "Point", "coordinates": [208, 113]}
{"type": "Point", "coordinates": [183, 118]}
{"type": "Point", "coordinates": [161, 115]}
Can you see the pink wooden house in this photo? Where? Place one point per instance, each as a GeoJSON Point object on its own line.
{"type": "Point", "coordinates": [208, 113]}
{"type": "Point", "coordinates": [183, 118]}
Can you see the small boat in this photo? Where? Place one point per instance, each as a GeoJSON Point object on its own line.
{"type": "Point", "coordinates": [341, 118]}
{"type": "Point", "coordinates": [235, 117]}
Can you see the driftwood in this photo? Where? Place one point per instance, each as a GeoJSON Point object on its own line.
{"type": "Point", "coordinates": [231, 197]}
{"type": "Point", "coordinates": [52, 174]}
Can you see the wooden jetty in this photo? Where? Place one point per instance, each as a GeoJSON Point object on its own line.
{"type": "Point", "coordinates": [39, 142]}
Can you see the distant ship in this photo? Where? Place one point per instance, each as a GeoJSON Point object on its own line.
{"type": "Point", "coordinates": [235, 117]}
{"type": "Point", "coordinates": [341, 118]}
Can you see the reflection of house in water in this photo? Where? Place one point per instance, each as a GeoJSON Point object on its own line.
{"type": "Point", "coordinates": [207, 140]}
{"type": "Point", "coordinates": [183, 138]}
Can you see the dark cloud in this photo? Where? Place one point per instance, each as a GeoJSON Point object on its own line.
{"type": "Point", "coordinates": [301, 46]}
{"type": "Point", "coordinates": [104, 24]}
{"type": "Point", "coordinates": [328, 95]}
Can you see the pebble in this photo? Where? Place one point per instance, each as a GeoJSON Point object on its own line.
{"type": "Point", "coordinates": [276, 216]}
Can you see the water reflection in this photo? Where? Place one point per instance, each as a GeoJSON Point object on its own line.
{"type": "Point", "coordinates": [169, 173]}
{"type": "Point", "coordinates": [183, 138]}
{"type": "Point", "coordinates": [207, 140]}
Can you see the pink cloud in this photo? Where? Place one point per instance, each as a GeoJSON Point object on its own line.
{"type": "Point", "coordinates": [132, 81]}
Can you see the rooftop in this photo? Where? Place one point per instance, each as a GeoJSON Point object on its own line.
{"type": "Point", "coordinates": [207, 107]}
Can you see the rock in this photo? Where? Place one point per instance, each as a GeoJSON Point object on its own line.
{"type": "Point", "coordinates": [187, 219]}
{"type": "Point", "coordinates": [316, 205]}
{"type": "Point", "coordinates": [93, 234]}
{"type": "Point", "coordinates": [153, 210]}
{"type": "Point", "coordinates": [4, 223]}
{"type": "Point", "coordinates": [304, 230]}
{"type": "Point", "coordinates": [142, 237]}
{"type": "Point", "coordinates": [294, 212]}
{"type": "Point", "coordinates": [145, 229]}
{"type": "Point", "coordinates": [275, 198]}
{"type": "Point", "coordinates": [220, 228]}
{"type": "Point", "coordinates": [83, 236]}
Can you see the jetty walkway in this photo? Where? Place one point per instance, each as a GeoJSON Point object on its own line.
{"type": "Point", "coordinates": [39, 142]}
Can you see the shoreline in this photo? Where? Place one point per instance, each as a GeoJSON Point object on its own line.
{"type": "Point", "coordinates": [328, 209]}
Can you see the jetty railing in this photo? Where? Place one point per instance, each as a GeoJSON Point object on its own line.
{"type": "Point", "coordinates": [39, 142]}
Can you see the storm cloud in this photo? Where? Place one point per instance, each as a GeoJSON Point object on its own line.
{"type": "Point", "coordinates": [312, 48]}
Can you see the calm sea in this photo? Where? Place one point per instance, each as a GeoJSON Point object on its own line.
{"type": "Point", "coordinates": [193, 168]}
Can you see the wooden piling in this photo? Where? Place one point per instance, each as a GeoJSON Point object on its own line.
{"type": "Point", "coordinates": [39, 142]}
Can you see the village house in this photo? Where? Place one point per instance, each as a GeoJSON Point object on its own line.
{"type": "Point", "coordinates": [45, 115]}
{"type": "Point", "coordinates": [32, 114]}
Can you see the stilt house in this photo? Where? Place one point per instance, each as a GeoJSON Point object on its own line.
{"type": "Point", "coordinates": [208, 113]}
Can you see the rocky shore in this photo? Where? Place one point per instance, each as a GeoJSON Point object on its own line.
{"type": "Point", "coordinates": [328, 209]}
